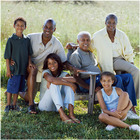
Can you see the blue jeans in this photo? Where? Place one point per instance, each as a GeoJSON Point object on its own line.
{"type": "Point", "coordinates": [128, 84]}
{"type": "Point", "coordinates": [123, 81]}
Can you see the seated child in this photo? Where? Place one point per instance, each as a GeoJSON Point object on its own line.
{"type": "Point", "coordinates": [18, 48]}
{"type": "Point", "coordinates": [114, 103]}
{"type": "Point", "coordinates": [84, 59]}
{"type": "Point", "coordinates": [57, 89]}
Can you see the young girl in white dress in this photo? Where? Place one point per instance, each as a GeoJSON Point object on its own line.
{"type": "Point", "coordinates": [57, 89]}
{"type": "Point", "coordinates": [114, 104]}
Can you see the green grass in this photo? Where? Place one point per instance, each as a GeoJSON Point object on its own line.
{"type": "Point", "coordinates": [70, 19]}
{"type": "Point", "coordinates": [47, 125]}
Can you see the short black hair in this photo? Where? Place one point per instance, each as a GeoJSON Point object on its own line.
{"type": "Point", "coordinates": [113, 16]}
{"type": "Point", "coordinates": [52, 21]}
{"type": "Point", "coordinates": [20, 19]}
{"type": "Point", "coordinates": [107, 73]}
{"type": "Point", "coordinates": [57, 59]}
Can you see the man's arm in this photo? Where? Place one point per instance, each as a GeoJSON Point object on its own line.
{"type": "Point", "coordinates": [81, 82]}
{"type": "Point", "coordinates": [59, 81]}
{"type": "Point", "coordinates": [30, 64]}
{"type": "Point", "coordinates": [71, 46]}
{"type": "Point", "coordinates": [70, 67]}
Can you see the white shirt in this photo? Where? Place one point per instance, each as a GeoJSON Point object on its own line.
{"type": "Point", "coordinates": [40, 52]}
{"type": "Point", "coordinates": [105, 51]}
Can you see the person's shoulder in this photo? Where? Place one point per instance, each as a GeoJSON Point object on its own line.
{"type": "Point", "coordinates": [118, 90]}
{"type": "Point", "coordinates": [75, 53]}
{"type": "Point", "coordinates": [99, 32]}
{"type": "Point", "coordinates": [46, 71]}
{"type": "Point", "coordinates": [99, 92]}
{"type": "Point", "coordinates": [120, 32]}
{"type": "Point", "coordinates": [26, 37]}
{"type": "Point", "coordinates": [11, 37]}
{"type": "Point", "coordinates": [34, 35]}
{"type": "Point", "coordinates": [56, 41]}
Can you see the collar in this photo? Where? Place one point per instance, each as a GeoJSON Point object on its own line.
{"type": "Point", "coordinates": [51, 42]}
{"type": "Point", "coordinates": [82, 52]}
{"type": "Point", "coordinates": [105, 32]}
{"type": "Point", "coordinates": [14, 36]}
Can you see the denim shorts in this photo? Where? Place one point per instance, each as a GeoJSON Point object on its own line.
{"type": "Point", "coordinates": [16, 84]}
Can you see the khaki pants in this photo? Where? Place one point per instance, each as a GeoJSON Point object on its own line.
{"type": "Point", "coordinates": [120, 64]}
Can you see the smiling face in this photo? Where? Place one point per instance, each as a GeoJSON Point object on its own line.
{"type": "Point", "coordinates": [19, 27]}
{"type": "Point", "coordinates": [52, 65]}
{"type": "Point", "coordinates": [106, 82]}
{"type": "Point", "coordinates": [84, 42]}
{"type": "Point", "coordinates": [111, 24]}
{"type": "Point", "coordinates": [48, 29]}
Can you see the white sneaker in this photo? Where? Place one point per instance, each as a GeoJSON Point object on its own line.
{"type": "Point", "coordinates": [132, 115]}
{"type": "Point", "coordinates": [135, 127]}
{"type": "Point", "coordinates": [110, 127]}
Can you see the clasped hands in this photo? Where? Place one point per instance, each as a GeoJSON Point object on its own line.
{"type": "Point", "coordinates": [119, 114]}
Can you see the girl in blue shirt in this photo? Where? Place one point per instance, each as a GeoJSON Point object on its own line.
{"type": "Point", "coordinates": [114, 104]}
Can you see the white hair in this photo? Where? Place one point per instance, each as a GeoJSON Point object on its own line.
{"type": "Point", "coordinates": [83, 33]}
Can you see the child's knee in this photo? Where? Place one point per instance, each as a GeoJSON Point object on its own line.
{"type": "Point", "coordinates": [102, 117]}
{"type": "Point", "coordinates": [126, 95]}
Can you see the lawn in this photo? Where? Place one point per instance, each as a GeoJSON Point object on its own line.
{"type": "Point", "coordinates": [71, 18]}
{"type": "Point", "coordinates": [47, 125]}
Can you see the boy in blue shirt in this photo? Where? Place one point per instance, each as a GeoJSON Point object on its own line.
{"type": "Point", "coordinates": [19, 50]}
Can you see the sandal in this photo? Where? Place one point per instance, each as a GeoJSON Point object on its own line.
{"type": "Point", "coordinates": [15, 107]}
{"type": "Point", "coordinates": [31, 109]}
{"type": "Point", "coordinates": [76, 120]}
{"type": "Point", "coordinates": [68, 121]}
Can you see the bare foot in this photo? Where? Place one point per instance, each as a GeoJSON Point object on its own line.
{"type": "Point", "coordinates": [74, 119]}
{"type": "Point", "coordinates": [64, 117]}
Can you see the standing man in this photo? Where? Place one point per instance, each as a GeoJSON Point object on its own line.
{"type": "Point", "coordinates": [43, 44]}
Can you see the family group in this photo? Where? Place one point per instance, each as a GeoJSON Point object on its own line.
{"type": "Point", "coordinates": [37, 61]}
